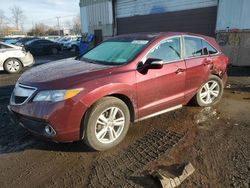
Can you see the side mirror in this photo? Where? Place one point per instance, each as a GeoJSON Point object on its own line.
{"type": "Point", "coordinates": [152, 63]}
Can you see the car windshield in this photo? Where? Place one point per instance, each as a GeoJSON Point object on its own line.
{"type": "Point", "coordinates": [115, 52]}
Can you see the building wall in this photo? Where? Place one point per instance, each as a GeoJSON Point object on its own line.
{"type": "Point", "coordinates": [233, 30]}
{"type": "Point", "coordinates": [233, 14]}
{"type": "Point", "coordinates": [128, 8]}
{"type": "Point", "coordinates": [97, 15]}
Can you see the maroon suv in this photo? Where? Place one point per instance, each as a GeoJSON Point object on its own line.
{"type": "Point", "coordinates": [124, 79]}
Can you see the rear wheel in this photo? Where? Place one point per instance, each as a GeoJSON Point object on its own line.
{"type": "Point", "coordinates": [74, 48]}
{"type": "Point", "coordinates": [13, 66]}
{"type": "Point", "coordinates": [209, 93]}
{"type": "Point", "coordinates": [54, 51]}
{"type": "Point", "coordinates": [106, 123]}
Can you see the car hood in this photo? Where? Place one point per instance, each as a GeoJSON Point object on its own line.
{"type": "Point", "coordinates": [59, 70]}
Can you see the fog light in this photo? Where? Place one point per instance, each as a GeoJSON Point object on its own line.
{"type": "Point", "coordinates": [49, 131]}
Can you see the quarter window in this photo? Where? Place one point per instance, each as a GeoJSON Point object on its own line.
{"type": "Point", "coordinates": [2, 46]}
{"type": "Point", "coordinates": [193, 47]}
{"type": "Point", "coordinates": [211, 50]}
{"type": "Point", "coordinates": [169, 50]}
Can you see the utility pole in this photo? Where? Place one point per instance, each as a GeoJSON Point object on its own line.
{"type": "Point", "coordinates": [58, 24]}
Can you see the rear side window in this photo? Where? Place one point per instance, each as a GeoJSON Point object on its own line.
{"type": "Point", "coordinates": [45, 42]}
{"type": "Point", "coordinates": [210, 50]}
{"type": "Point", "coordinates": [2, 46]}
{"type": "Point", "coordinates": [169, 50]}
{"type": "Point", "coordinates": [193, 47]}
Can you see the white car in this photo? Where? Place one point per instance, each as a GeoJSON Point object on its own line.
{"type": "Point", "coordinates": [14, 58]}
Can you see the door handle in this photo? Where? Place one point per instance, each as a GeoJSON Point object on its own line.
{"type": "Point", "coordinates": [208, 62]}
{"type": "Point", "coordinates": [179, 71]}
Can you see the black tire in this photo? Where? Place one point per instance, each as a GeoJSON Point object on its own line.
{"type": "Point", "coordinates": [74, 48]}
{"type": "Point", "coordinates": [93, 114]}
{"type": "Point", "coordinates": [18, 68]}
{"type": "Point", "coordinates": [54, 51]}
{"type": "Point", "coordinates": [199, 98]}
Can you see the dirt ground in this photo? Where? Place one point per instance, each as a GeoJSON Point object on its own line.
{"type": "Point", "coordinates": [215, 140]}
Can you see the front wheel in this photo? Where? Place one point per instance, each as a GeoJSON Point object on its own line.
{"type": "Point", "coordinates": [209, 93]}
{"type": "Point", "coordinates": [106, 123]}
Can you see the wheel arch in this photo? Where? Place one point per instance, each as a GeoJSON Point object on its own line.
{"type": "Point", "coordinates": [122, 97]}
{"type": "Point", "coordinates": [13, 58]}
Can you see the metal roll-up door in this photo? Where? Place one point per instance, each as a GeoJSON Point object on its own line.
{"type": "Point", "coordinates": [202, 21]}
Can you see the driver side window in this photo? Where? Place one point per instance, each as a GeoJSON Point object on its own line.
{"type": "Point", "coordinates": [169, 50]}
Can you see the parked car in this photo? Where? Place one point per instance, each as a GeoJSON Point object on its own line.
{"type": "Point", "coordinates": [14, 58]}
{"type": "Point", "coordinates": [124, 79]}
{"type": "Point", "coordinates": [42, 47]}
{"type": "Point", "coordinates": [11, 40]}
{"type": "Point", "coordinates": [22, 41]}
{"type": "Point", "coordinates": [52, 38]}
{"type": "Point", "coordinates": [66, 41]}
{"type": "Point", "coordinates": [73, 44]}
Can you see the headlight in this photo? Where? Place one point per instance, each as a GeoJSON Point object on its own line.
{"type": "Point", "coordinates": [56, 95]}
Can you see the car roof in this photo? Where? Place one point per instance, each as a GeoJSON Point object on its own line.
{"type": "Point", "coordinates": [156, 35]}
{"type": "Point", "coordinates": [159, 34]}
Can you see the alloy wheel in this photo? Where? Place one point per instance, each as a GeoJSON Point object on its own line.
{"type": "Point", "coordinates": [109, 125]}
{"type": "Point", "coordinates": [209, 92]}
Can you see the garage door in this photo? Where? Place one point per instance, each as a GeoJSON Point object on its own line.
{"type": "Point", "coordinates": [201, 21]}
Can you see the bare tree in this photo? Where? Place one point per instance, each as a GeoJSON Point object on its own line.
{"type": "Point", "coordinates": [77, 25]}
{"type": "Point", "coordinates": [40, 29]}
{"type": "Point", "coordinates": [2, 19]}
{"type": "Point", "coordinates": [17, 16]}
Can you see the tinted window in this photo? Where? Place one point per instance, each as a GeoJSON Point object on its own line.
{"type": "Point", "coordinates": [37, 42]}
{"type": "Point", "coordinates": [45, 42]}
{"type": "Point", "coordinates": [169, 50]}
{"type": "Point", "coordinates": [2, 46]}
{"type": "Point", "coordinates": [211, 50]}
{"type": "Point", "coordinates": [193, 47]}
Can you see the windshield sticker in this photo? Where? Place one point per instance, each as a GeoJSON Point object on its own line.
{"type": "Point", "coordinates": [139, 41]}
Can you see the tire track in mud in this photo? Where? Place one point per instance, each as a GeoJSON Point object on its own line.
{"type": "Point", "coordinates": [116, 171]}
{"type": "Point", "coordinates": [13, 138]}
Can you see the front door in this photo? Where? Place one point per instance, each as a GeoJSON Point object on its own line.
{"type": "Point", "coordinates": [159, 89]}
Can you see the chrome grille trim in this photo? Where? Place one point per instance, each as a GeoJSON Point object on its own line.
{"type": "Point", "coordinates": [23, 91]}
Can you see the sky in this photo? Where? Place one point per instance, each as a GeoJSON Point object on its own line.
{"type": "Point", "coordinates": [44, 11]}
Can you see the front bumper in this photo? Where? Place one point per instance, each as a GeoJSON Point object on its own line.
{"type": "Point", "coordinates": [62, 118]}
{"type": "Point", "coordinates": [35, 126]}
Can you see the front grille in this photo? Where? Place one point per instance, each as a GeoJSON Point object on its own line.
{"type": "Point", "coordinates": [22, 94]}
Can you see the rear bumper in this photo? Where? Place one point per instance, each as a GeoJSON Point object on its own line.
{"type": "Point", "coordinates": [28, 60]}
{"type": "Point", "coordinates": [224, 79]}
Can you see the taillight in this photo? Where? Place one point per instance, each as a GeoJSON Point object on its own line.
{"type": "Point", "coordinates": [24, 50]}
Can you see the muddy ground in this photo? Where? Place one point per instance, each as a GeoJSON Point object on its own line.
{"type": "Point", "coordinates": [215, 140]}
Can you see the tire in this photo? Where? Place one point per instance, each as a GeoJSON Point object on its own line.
{"type": "Point", "coordinates": [210, 92]}
{"type": "Point", "coordinates": [97, 133]}
{"type": "Point", "coordinates": [54, 51]}
{"type": "Point", "coordinates": [13, 66]}
{"type": "Point", "coordinates": [74, 48]}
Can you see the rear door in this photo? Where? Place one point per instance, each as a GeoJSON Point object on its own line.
{"type": "Point", "coordinates": [197, 64]}
{"type": "Point", "coordinates": [46, 45]}
{"type": "Point", "coordinates": [163, 88]}
{"type": "Point", "coordinates": [36, 47]}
